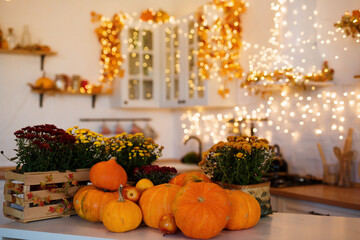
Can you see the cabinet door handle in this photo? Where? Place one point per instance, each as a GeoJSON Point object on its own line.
{"type": "Point", "coordinates": [320, 214]}
{"type": "Point", "coordinates": [125, 102]}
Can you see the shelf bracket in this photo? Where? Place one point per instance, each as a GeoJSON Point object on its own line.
{"type": "Point", "coordinates": [42, 59]}
{"type": "Point", "coordinates": [93, 100]}
{"type": "Point", "coordinates": [41, 98]}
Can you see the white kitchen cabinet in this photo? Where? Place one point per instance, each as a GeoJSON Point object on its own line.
{"type": "Point", "coordinates": [181, 84]}
{"type": "Point", "coordinates": [140, 86]}
{"type": "Point", "coordinates": [290, 205]}
{"type": "Point", "coordinates": [161, 68]}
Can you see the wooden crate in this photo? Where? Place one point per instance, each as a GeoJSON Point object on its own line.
{"type": "Point", "coordinates": [41, 195]}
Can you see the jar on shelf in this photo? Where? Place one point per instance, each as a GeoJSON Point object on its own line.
{"type": "Point", "coordinates": [76, 83]}
{"type": "Point", "coordinates": [60, 82]}
{"type": "Point", "coordinates": [11, 39]}
{"type": "Point", "coordinates": [25, 37]}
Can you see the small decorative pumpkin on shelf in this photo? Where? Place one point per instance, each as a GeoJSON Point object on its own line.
{"type": "Point", "coordinates": [201, 210]}
{"type": "Point", "coordinates": [245, 210]}
{"type": "Point", "coordinates": [121, 215]}
{"type": "Point", "coordinates": [108, 175]}
{"type": "Point", "coordinates": [89, 202]}
{"type": "Point", "coordinates": [189, 177]}
{"type": "Point", "coordinates": [156, 202]}
{"type": "Point", "coordinates": [44, 83]}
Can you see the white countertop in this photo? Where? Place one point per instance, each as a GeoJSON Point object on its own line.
{"type": "Point", "coordinates": [276, 226]}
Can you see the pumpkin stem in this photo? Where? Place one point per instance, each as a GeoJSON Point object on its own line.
{"type": "Point", "coordinates": [121, 198]}
{"type": "Point", "coordinates": [201, 199]}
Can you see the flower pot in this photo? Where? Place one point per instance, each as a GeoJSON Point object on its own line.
{"type": "Point", "coordinates": [260, 191]}
{"type": "Point", "coordinates": [35, 196]}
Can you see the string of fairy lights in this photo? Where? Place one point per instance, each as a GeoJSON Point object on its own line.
{"type": "Point", "coordinates": [290, 111]}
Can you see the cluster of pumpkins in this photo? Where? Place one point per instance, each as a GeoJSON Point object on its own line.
{"type": "Point", "coordinates": [189, 202]}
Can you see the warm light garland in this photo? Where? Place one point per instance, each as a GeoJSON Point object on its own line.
{"type": "Point", "coordinates": [152, 16]}
{"type": "Point", "coordinates": [350, 24]}
{"type": "Point", "coordinates": [108, 35]}
{"type": "Point", "coordinates": [289, 113]}
{"type": "Point", "coordinates": [292, 112]}
{"type": "Point", "coordinates": [220, 41]}
{"type": "Point", "coordinates": [286, 77]}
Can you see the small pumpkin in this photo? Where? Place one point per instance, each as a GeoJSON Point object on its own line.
{"type": "Point", "coordinates": [201, 210]}
{"type": "Point", "coordinates": [121, 215]}
{"type": "Point", "coordinates": [89, 202]}
{"type": "Point", "coordinates": [108, 175]}
{"type": "Point", "coordinates": [189, 177]}
{"type": "Point", "coordinates": [156, 202]}
{"type": "Point", "coordinates": [76, 201]}
{"type": "Point", "coordinates": [44, 83]}
{"type": "Point", "coordinates": [245, 210]}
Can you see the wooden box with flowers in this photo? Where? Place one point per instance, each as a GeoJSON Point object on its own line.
{"type": "Point", "coordinates": [39, 195]}
{"type": "Point", "coordinates": [51, 165]}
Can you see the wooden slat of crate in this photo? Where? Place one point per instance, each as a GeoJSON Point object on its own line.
{"type": "Point", "coordinates": [54, 195]}
{"type": "Point", "coordinates": [11, 175]}
{"type": "Point", "coordinates": [42, 194]}
{"type": "Point", "coordinates": [37, 177]}
{"type": "Point", "coordinates": [13, 188]}
{"type": "Point", "coordinates": [33, 214]}
{"type": "Point", "coordinates": [19, 201]}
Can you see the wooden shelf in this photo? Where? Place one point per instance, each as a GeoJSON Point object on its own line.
{"type": "Point", "coordinates": [42, 54]}
{"type": "Point", "coordinates": [277, 86]}
{"type": "Point", "coordinates": [56, 92]}
{"type": "Point", "coordinates": [27, 52]}
{"type": "Point", "coordinates": [318, 84]}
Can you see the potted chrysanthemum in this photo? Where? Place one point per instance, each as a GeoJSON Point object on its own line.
{"type": "Point", "coordinates": [241, 163]}
{"type": "Point", "coordinates": [133, 150]}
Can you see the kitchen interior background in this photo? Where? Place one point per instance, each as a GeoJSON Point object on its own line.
{"type": "Point", "coordinates": [297, 121]}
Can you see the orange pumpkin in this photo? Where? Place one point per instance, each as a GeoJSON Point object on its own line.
{"type": "Point", "coordinates": [89, 202]}
{"type": "Point", "coordinates": [189, 177]}
{"type": "Point", "coordinates": [121, 215]}
{"type": "Point", "coordinates": [108, 175]}
{"type": "Point", "coordinates": [156, 202]}
{"type": "Point", "coordinates": [44, 83]}
{"type": "Point", "coordinates": [201, 210]}
{"type": "Point", "coordinates": [245, 210]}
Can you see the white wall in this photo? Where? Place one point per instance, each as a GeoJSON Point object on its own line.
{"type": "Point", "coordinates": [65, 26]}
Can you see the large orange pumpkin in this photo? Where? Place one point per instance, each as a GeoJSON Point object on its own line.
{"type": "Point", "coordinates": [121, 215]}
{"type": "Point", "coordinates": [156, 201]}
{"type": "Point", "coordinates": [89, 202]}
{"type": "Point", "coordinates": [189, 177]}
{"type": "Point", "coordinates": [201, 210]}
{"type": "Point", "coordinates": [245, 210]}
{"type": "Point", "coordinates": [108, 175]}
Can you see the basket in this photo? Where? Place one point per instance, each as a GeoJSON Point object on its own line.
{"type": "Point", "coordinates": [260, 191]}
{"type": "Point", "coordinates": [35, 196]}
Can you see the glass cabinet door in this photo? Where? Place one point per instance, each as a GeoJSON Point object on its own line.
{"type": "Point", "coordinates": [141, 65]}
{"type": "Point", "coordinates": [196, 85]}
{"type": "Point", "coordinates": [172, 63]}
